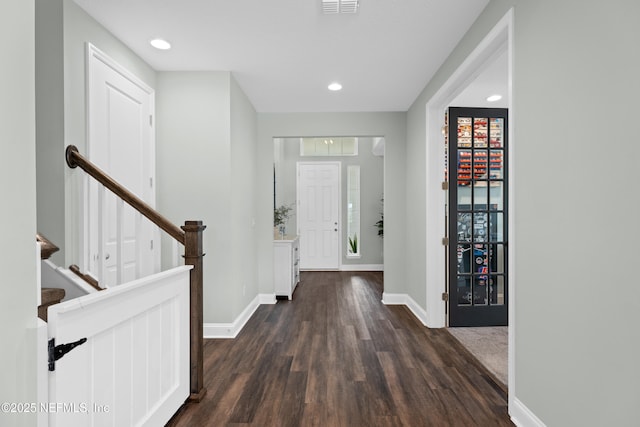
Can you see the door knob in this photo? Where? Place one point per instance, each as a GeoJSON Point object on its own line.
{"type": "Point", "coordinates": [107, 256]}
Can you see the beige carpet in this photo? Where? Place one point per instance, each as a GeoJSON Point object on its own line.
{"type": "Point", "coordinates": [489, 345]}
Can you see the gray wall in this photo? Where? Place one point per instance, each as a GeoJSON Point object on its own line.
{"type": "Point", "coordinates": [577, 341]}
{"type": "Point", "coordinates": [18, 213]}
{"type": "Point", "coordinates": [193, 113]}
{"type": "Point", "coordinates": [80, 28]}
{"type": "Point", "coordinates": [50, 121]}
{"type": "Point", "coordinates": [62, 33]}
{"type": "Point", "coordinates": [194, 169]}
{"type": "Point", "coordinates": [586, 346]}
{"type": "Point", "coordinates": [391, 125]}
{"type": "Point", "coordinates": [244, 140]}
{"type": "Point", "coordinates": [206, 143]}
{"type": "Point", "coordinates": [371, 183]}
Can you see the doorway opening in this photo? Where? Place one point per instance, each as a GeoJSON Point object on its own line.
{"type": "Point", "coordinates": [497, 44]}
{"type": "Point", "coordinates": [477, 223]}
{"type": "Point", "coordinates": [353, 218]}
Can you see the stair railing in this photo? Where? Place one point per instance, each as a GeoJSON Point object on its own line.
{"type": "Point", "coordinates": [189, 235]}
{"type": "Point", "coordinates": [86, 278]}
{"type": "Point", "coordinates": [47, 248]}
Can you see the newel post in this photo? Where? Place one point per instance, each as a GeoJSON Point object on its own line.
{"type": "Point", "coordinates": [193, 256]}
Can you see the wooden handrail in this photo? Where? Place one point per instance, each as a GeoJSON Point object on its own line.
{"type": "Point", "coordinates": [46, 247]}
{"type": "Point", "coordinates": [190, 238]}
{"type": "Point", "coordinates": [90, 280]}
{"type": "Point", "coordinates": [75, 159]}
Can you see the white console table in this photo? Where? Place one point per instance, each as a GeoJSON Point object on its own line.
{"type": "Point", "coordinates": [286, 268]}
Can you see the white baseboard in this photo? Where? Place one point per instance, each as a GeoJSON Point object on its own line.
{"type": "Point", "coordinates": [267, 298]}
{"type": "Point", "coordinates": [394, 299]}
{"type": "Point", "coordinates": [350, 267]}
{"type": "Point", "coordinates": [231, 330]}
{"type": "Point", "coordinates": [362, 267]}
{"type": "Point", "coordinates": [404, 299]}
{"type": "Point", "coordinates": [522, 416]}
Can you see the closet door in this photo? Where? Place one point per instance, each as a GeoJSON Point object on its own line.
{"type": "Point", "coordinates": [477, 225]}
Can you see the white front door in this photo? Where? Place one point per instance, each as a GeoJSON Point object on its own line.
{"type": "Point", "coordinates": [319, 215]}
{"type": "Point", "coordinates": [121, 142]}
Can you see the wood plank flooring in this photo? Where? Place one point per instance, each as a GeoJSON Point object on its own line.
{"type": "Point", "coordinates": [336, 356]}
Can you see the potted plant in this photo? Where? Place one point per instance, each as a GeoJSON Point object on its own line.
{"type": "Point", "coordinates": [280, 217]}
{"type": "Point", "coordinates": [380, 223]}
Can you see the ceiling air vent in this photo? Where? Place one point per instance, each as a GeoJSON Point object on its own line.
{"type": "Point", "coordinates": [348, 6]}
{"type": "Point", "coordinates": [339, 6]}
{"type": "Point", "coordinates": [330, 6]}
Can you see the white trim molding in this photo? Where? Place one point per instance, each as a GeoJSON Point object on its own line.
{"type": "Point", "coordinates": [40, 360]}
{"type": "Point", "coordinates": [362, 267]}
{"type": "Point", "coordinates": [267, 299]}
{"type": "Point", "coordinates": [406, 300]}
{"type": "Point", "coordinates": [523, 416]}
{"type": "Point", "coordinates": [497, 41]}
{"type": "Point", "coordinates": [231, 330]}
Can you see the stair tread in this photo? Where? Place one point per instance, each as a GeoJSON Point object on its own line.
{"type": "Point", "coordinates": [47, 248]}
{"type": "Point", "coordinates": [49, 295]}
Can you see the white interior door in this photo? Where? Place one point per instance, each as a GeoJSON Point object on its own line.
{"type": "Point", "coordinates": [121, 142]}
{"type": "Point", "coordinates": [318, 215]}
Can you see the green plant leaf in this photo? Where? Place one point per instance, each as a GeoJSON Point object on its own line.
{"type": "Point", "coordinates": [353, 244]}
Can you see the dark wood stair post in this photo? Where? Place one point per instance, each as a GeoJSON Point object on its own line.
{"type": "Point", "coordinates": [193, 256]}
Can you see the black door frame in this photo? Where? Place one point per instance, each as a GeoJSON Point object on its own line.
{"type": "Point", "coordinates": [477, 312]}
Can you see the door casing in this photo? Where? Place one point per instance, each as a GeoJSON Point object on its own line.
{"type": "Point", "coordinates": [500, 38]}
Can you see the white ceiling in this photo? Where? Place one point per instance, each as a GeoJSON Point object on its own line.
{"type": "Point", "coordinates": [492, 80]}
{"type": "Point", "coordinates": [284, 53]}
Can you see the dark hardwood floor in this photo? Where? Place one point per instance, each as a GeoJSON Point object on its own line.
{"type": "Point", "coordinates": [336, 356]}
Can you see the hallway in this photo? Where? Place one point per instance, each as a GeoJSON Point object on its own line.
{"type": "Point", "coordinates": [335, 355]}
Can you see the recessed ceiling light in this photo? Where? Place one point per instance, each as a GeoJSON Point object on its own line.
{"type": "Point", "coordinates": [160, 44]}
{"type": "Point", "coordinates": [335, 86]}
{"type": "Point", "coordinates": [494, 98]}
